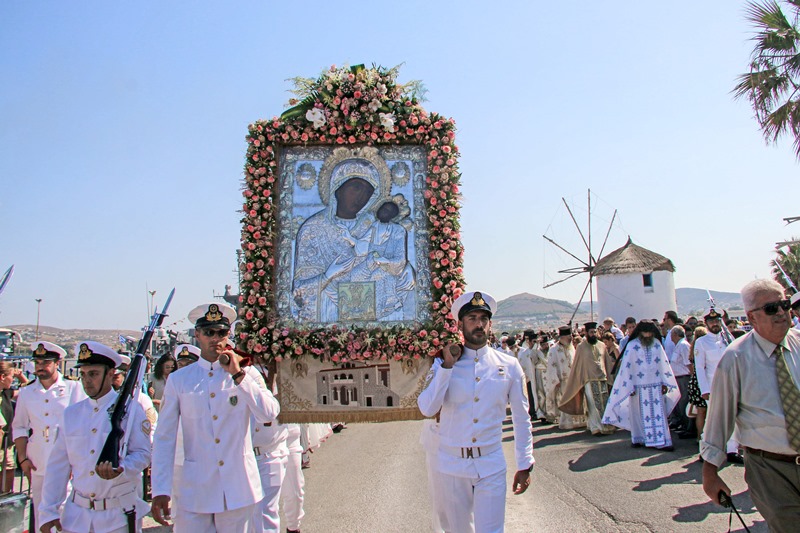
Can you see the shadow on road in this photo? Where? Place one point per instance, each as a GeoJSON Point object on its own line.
{"type": "Point", "coordinates": [701, 511]}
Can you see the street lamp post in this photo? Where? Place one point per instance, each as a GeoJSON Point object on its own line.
{"type": "Point", "coordinates": [38, 308]}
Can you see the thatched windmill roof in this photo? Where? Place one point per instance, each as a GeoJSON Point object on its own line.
{"type": "Point", "coordinates": [632, 259]}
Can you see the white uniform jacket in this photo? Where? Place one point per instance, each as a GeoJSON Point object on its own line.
{"type": "Point", "coordinates": [219, 469]}
{"type": "Point", "coordinates": [39, 415]}
{"type": "Point", "coordinates": [708, 351]}
{"type": "Point", "coordinates": [473, 396]}
{"type": "Point", "coordinates": [79, 443]}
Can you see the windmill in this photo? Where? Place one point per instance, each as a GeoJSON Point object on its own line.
{"type": "Point", "coordinates": [585, 266]}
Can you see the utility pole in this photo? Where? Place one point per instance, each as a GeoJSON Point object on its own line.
{"type": "Point", "coordinates": [38, 308]}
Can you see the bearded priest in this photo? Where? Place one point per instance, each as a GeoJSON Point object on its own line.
{"type": "Point", "coordinates": [588, 381]}
{"type": "Point", "coordinates": [645, 390]}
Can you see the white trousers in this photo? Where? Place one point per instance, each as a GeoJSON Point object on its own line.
{"type": "Point", "coordinates": [474, 504]}
{"type": "Point", "coordinates": [235, 521]}
{"type": "Point", "coordinates": [292, 493]}
{"type": "Point", "coordinates": [120, 530]}
{"type": "Point", "coordinates": [266, 518]}
{"type": "Point", "coordinates": [436, 489]}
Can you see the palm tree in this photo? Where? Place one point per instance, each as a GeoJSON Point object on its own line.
{"type": "Point", "coordinates": [789, 261]}
{"type": "Point", "coordinates": [773, 83]}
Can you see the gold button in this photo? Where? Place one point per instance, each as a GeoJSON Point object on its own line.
{"type": "Point", "coordinates": [256, 430]}
{"type": "Point", "coordinates": [47, 401]}
{"type": "Point", "coordinates": [211, 374]}
{"type": "Point", "coordinates": [91, 472]}
{"type": "Point", "coordinates": [92, 452]}
{"type": "Point", "coordinates": [474, 420]}
{"type": "Point", "coordinates": [46, 414]}
{"type": "Point", "coordinates": [213, 395]}
{"type": "Point", "coordinates": [217, 440]}
{"type": "Point", "coordinates": [476, 359]}
{"type": "Point", "coordinates": [477, 379]}
{"type": "Point", "coordinates": [95, 410]}
{"type": "Point", "coordinates": [92, 495]}
{"type": "Point", "coordinates": [94, 430]}
{"type": "Point", "coordinates": [476, 398]}
{"type": "Point", "coordinates": [221, 463]}
{"type": "Point", "coordinates": [214, 417]}
{"type": "Point", "coordinates": [474, 439]}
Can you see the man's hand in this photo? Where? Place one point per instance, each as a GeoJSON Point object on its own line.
{"type": "Point", "coordinates": [232, 366]}
{"type": "Point", "coordinates": [713, 484]}
{"type": "Point", "coordinates": [160, 509]}
{"type": "Point", "coordinates": [451, 354]}
{"type": "Point", "coordinates": [26, 466]}
{"type": "Point", "coordinates": [106, 471]}
{"type": "Point", "coordinates": [522, 479]}
{"type": "Point", "coordinates": [46, 528]}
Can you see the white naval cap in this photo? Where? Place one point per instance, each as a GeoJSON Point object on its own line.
{"type": "Point", "coordinates": [795, 300]}
{"type": "Point", "coordinates": [124, 363]}
{"type": "Point", "coordinates": [187, 351]}
{"type": "Point", "coordinates": [95, 353]}
{"type": "Point", "coordinates": [44, 350]}
{"type": "Point", "coordinates": [469, 301]}
{"type": "Point", "coordinates": [212, 315]}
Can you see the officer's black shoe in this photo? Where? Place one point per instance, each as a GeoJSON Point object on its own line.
{"type": "Point", "coordinates": [292, 531]}
{"type": "Point", "coordinates": [637, 445]}
{"type": "Point", "coordinates": [687, 434]}
{"type": "Point", "coordinates": [545, 422]}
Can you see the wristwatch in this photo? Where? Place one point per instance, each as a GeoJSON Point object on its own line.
{"type": "Point", "coordinates": [239, 374]}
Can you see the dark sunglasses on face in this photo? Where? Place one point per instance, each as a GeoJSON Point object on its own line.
{"type": "Point", "coordinates": [772, 307]}
{"type": "Point", "coordinates": [221, 333]}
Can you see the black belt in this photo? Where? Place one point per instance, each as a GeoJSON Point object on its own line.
{"type": "Point", "coordinates": [774, 456]}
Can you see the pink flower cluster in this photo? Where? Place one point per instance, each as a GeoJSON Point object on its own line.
{"type": "Point", "coordinates": [361, 106]}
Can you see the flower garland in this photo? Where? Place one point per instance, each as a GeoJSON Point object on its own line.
{"type": "Point", "coordinates": [350, 106]}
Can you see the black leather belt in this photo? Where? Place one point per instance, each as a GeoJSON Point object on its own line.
{"type": "Point", "coordinates": [774, 456]}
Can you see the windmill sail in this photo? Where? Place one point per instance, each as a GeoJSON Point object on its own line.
{"type": "Point", "coordinates": [6, 277]}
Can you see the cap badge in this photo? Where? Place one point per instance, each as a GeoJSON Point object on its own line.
{"type": "Point", "coordinates": [477, 300]}
{"type": "Point", "coordinates": [40, 350]}
{"type": "Point", "coordinates": [184, 351]}
{"type": "Point", "coordinates": [213, 314]}
{"type": "Point", "coordinates": [85, 352]}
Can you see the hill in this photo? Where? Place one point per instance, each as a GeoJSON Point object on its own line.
{"type": "Point", "coordinates": [694, 301]}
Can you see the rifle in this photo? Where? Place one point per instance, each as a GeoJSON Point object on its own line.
{"type": "Point", "coordinates": [117, 440]}
{"type": "Point", "coordinates": [786, 277]}
{"type": "Point", "coordinates": [727, 338]}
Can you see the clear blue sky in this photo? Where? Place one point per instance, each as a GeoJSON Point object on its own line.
{"type": "Point", "coordinates": [122, 130]}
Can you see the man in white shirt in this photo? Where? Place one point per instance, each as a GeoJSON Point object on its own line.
{"type": "Point", "coordinates": [213, 402]}
{"type": "Point", "coordinates": [472, 388]}
{"type": "Point", "coordinates": [680, 369]}
{"type": "Point", "coordinates": [755, 391]}
{"type": "Point", "coordinates": [40, 413]}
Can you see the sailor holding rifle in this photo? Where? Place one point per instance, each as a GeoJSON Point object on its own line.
{"type": "Point", "coordinates": [104, 499]}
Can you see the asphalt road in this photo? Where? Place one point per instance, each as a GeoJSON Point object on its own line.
{"type": "Point", "coordinates": [371, 478]}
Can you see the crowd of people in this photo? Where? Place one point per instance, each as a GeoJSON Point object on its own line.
{"type": "Point", "coordinates": [202, 437]}
{"type": "Point", "coordinates": [205, 426]}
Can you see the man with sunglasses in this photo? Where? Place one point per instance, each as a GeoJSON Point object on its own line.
{"type": "Point", "coordinates": [213, 404]}
{"type": "Point", "coordinates": [755, 391]}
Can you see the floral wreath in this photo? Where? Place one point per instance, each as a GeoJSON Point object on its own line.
{"type": "Point", "coordinates": [350, 106]}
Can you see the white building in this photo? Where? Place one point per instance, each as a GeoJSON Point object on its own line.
{"type": "Point", "coordinates": [633, 281]}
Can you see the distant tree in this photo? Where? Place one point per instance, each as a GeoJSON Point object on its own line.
{"type": "Point", "coordinates": [773, 83]}
{"type": "Point", "coordinates": [789, 260]}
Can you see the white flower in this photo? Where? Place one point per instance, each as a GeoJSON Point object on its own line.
{"type": "Point", "coordinates": [374, 105]}
{"type": "Point", "coordinates": [382, 88]}
{"type": "Point", "coordinates": [387, 121]}
{"type": "Point", "coordinates": [316, 116]}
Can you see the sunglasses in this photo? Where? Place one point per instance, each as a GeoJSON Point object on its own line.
{"type": "Point", "coordinates": [221, 333]}
{"type": "Point", "coordinates": [773, 307]}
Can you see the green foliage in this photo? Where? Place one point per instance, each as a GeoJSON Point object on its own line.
{"type": "Point", "coordinates": [773, 83]}
{"type": "Point", "coordinates": [789, 260]}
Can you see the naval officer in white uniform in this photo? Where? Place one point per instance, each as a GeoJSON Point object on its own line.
{"type": "Point", "coordinates": [472, 390]}
{"type": "Point", "coordinates": [101, 495]}
{"type": "Point", "coordinates": [39, 413]}
{"type": "Point", "coordinates": [213, 404]}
